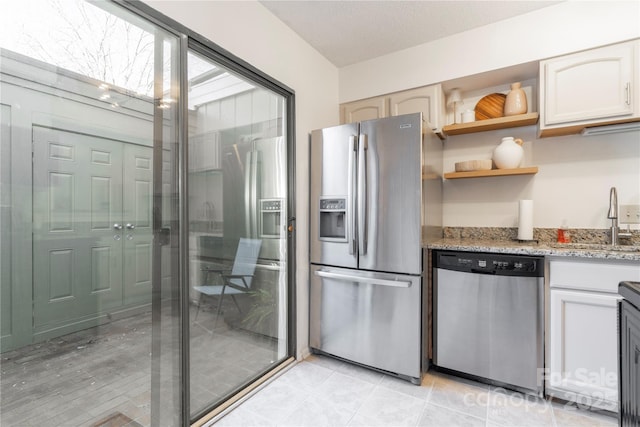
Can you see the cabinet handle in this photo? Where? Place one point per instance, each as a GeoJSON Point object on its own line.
{"type": "Point", "coordinates": [627, 89]}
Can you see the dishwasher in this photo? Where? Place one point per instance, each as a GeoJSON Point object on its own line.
{"type": "Point", "coordinates": [488, 318]}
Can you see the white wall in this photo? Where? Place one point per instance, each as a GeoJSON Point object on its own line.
{"type": "Point", "coordinates": [572, 185]}
{"type": "Point", "coordinates": [249, 31]}
{"type": "Point", "coordinates": [575, 173]}
{"type": "Point", "coordinates": [555, 30]}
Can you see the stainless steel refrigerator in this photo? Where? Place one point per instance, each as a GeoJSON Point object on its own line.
{"type": "Point", "coordinates": [254, 200]}
{"type": "Point", "coordinates": [375, 187]}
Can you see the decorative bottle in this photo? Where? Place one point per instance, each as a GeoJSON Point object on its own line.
{"type": "Point", "coordinates": [516, 101]}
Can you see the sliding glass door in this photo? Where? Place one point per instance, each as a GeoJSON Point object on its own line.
{"type": "Point", "coordinates": [145, 197]}
{"type": "Point", "coordinates": [89, 171]}
{"type": "Point", "coordinates": [238, 193]}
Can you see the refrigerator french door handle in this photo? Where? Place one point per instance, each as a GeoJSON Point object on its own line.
{"type": "Point", "coordinates": [360, 279]}
{"type": "Point", "coordinates": [351, 194]}
{"type": "Point", "coordinates": [363, 214]}
{"type": "Point", "coordinates": [248, 169]}
{"type": "Point", "coordinates": [254, 195]}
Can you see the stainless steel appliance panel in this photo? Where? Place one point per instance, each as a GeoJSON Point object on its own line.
{"type": "Point", "coordinates": [629, 354]}
{"type": "Point", "coordinates": [490, 323]}
{"type": "Point", "coordinates": [332, 177]}
{"type": "Point", "coordinates": [389, 194]}
{"type": "Point", "coordinates": [254, 179]}
{"type": "Point", "coordinates": [369, 318]}
{"type": "Point", "coordinates": [431, 186]}
{"type": "Point", "coordinates": [459, 305]}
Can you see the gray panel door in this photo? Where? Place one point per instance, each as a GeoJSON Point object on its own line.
{"type": "Point", "coordinates": [6, 303]}
{"type": "Point", "coordinates": [77, 200]}
{"type": "Point", "coordinates": [137, 193]}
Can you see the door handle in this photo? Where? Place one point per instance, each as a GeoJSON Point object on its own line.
{"type": "Point", "coordinates": [360, 279]}
{"type": "Point", "coordinates": [363, 203]}
{"type": "Point", "coordinates": [627, 90]}
{"type": "Point", "coordinates": [351, 195]}
{"type": "Point", "coordinates": [117, 226]}
{"type": "Point", "coordinates": [130, 226]}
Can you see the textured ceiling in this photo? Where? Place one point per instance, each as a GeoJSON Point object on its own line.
{"type": "Point", "coordinates": [346, 32]}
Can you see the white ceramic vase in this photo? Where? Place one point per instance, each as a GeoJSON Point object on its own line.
{"type": "Point", "coordinates": [508, 155]}
{"type": "Point", "coordinates": [516, 101]}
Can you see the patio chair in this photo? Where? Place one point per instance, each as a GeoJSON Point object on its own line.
{"type": "Point", "coordinates": [232, 282]}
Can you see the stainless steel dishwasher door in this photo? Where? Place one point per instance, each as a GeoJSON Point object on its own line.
{"type": "Point", "coordinates": [490, 326]}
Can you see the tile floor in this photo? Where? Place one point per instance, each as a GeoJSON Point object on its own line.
{"type": "Point", "coordinates": [321, 391]}
{"type": "Point", "coordinates": [84, 377]}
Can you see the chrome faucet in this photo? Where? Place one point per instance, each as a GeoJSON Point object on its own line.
{"type": "Point", "coordinates": [613, 216]}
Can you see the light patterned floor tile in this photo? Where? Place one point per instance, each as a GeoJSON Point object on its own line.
{"type": "Point", "coordinates": [434, 415]}
{"type": "Point", "coordinates": [385, 407]}
{"type": "Point", "coordinates": [509, 408]}
{"type": "Point", "coordinates": [317, 412]}
{"type": "Point", "coordinates": [344, 391]}
{"type": "Point", "coordinates": [275, 402]}
{"type": "Point", "coordinates": [567, 415]}
{"type": "Point", "coordinates": [460, 396]}
{"type": "Point", "coordinates": [306, 376]}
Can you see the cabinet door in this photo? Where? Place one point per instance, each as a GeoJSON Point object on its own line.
{"type": "Point", "coordinates": [366, 109]}
{"type": "Point", "coordinates": [583, 354]}
{"type": "Point", "coordinates": [590, 86]}
{"type": "Point", "coordinates": [427, 100]}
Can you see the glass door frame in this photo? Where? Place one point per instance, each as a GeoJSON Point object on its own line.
{"type": "Point", "coordinates": [196, 42]}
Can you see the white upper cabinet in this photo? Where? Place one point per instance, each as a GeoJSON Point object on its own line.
{"type": "Point", "coordinates": [429, 100]}
{"type": "Point", "coordinates": [365, 109]}
{"type": "Point", "coordinates": [595, 87]}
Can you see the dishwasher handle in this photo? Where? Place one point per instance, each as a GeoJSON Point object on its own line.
{"type": "Point", "coordinates": [361, 279]}
{"type": "Point", "coordinates": [478, 271]}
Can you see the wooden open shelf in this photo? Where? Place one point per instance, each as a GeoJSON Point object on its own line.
{"type": "Point", "coordinates": [493, 172]}
{"type": "Point", "coordinates": [491, 124]}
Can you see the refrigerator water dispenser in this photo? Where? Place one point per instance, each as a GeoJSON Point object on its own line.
{"type": "Point", "coordinates": [333, 219]}
{"type": "Point", "coordinates": [270, 218]}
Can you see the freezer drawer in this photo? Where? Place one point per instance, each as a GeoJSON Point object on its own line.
{"type": "Point", "coordinates": [369, 318]}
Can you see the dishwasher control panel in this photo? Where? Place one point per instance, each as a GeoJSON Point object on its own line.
{"type": "Point", "coordinates": [489, 263]}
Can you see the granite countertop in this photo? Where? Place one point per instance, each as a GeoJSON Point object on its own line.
{"type": "Point", "coordinates": [581, 250]}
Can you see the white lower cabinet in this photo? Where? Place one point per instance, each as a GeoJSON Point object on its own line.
{"type": "Point", "coordinates": [582, 364]}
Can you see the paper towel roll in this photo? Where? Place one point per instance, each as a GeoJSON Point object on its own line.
{"type": "Point", "coordinates": [525, 220]}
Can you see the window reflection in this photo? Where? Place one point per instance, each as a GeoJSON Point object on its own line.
{"type": "Point", "coordinates": [237, 220]}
